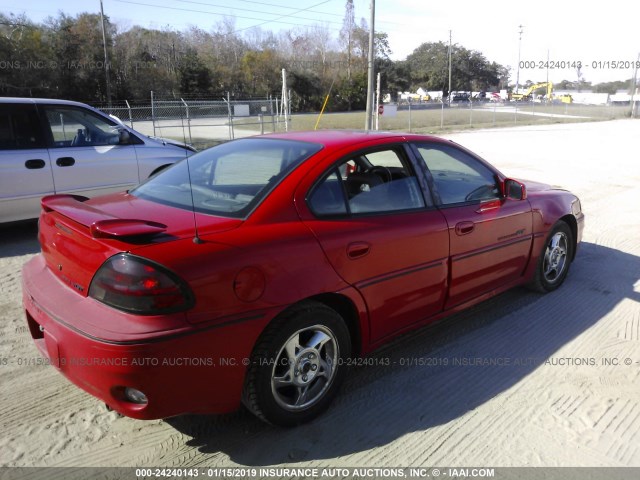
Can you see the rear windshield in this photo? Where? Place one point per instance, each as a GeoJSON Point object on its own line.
{"type": "Point", "coordinates": [229, 180]}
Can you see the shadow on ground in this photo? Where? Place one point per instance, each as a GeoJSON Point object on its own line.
{"type": "Point", "coordinates": [379, 404]}
{"type": "Point", "coordinates": [19, 238]}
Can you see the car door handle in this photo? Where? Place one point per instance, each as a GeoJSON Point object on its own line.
{"type": "Point", "coordinates": [358, 250]}
{"type": "Point", "coordinates": [65, 161]}
{"type": "Point", "coordinates": [464, 228]}
{"type": "Point", "coordinates": [34, 163]}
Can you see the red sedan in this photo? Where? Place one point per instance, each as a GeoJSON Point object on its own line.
{"type": "Point", "coordinates": [251, 272]}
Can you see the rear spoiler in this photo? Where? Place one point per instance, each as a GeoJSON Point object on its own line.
{"type": "Point", "coordinates": [101, 224]}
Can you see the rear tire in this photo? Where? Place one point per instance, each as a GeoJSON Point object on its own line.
{"type": "Point", "coordinates": [297, 365]}
{"type": "Point", "coordinates": [555, 259]}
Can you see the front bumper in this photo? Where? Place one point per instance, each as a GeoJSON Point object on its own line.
{"type": "Point", "coordinates": [580, 228]}
{"type": "Point", "coordinates": [190, 370]}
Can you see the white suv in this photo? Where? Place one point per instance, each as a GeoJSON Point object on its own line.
{"type": "Point", "coordinates": [58, 146]}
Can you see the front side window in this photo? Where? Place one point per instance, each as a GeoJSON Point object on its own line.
{"type": "Point", "coordinates": [457, 176]}
{"type": "Point", "coordinates": [374, 182]}
{"type": "Point", "coordinates": [75, 127]}
{"type": "Point", "coordinates": [228, 180]}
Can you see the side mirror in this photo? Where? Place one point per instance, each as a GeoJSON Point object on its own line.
{"type": "Point", "coordinates": [514, 189]}
{"type": "Point", "coordinates": [124, 138]}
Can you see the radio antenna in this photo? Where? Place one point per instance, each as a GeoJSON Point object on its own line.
{"type": "Point", "coordinates": [196, 238]}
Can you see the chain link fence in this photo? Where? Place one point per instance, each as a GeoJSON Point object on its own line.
{"type": "Point", "coordinates": [199, 122]}
{"type": "Point", "coordinates": [207, 122]}
{"type": "Point", "coordinates": [436, 117]}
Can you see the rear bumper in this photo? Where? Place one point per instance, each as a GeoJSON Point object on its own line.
{"type": "Point", "coordinates": [186, 371]}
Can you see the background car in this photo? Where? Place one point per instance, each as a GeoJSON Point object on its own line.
{"type": "Point", "coordinates": [460, 97]}
{"type": "Point", "coordinates": [57, 146]}
{"type": "Point", "coordinates": [254, 271]}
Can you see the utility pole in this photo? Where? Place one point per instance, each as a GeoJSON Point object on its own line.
{"type": "Point", "coordinates": [634, 86]}
{"type": "Point", "coordinates": [549, 99]}
{"type": "Point", "coordinates": [370, 75]}
{"type": "Point", "coordinates": [449, 91]}
{"type": "Point", "coordinates": [284, 104]}
{"type": "Point", "coordinates": [106, 58]}
{"type": "Point", "coordinates": [449, 68]}
{"type": "Point", "coordinates": [547, 65]}
{"type": "Point", "coordinates": [519, 49]}
{"type": "Point", "coordinates": [377, 108]}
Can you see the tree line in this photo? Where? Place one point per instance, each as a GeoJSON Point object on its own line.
{"type": "Point", "coordinates": [63, 57]}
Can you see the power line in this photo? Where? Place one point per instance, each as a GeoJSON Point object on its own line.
{"type": "Point", "coordinates": [265, 21]}
{"type": "Point", "coordinates": [275, 20]}
{"type": "Point", "coordinates": [261, 11]}
{"type": "Point", "coordinates": [307, 10]}
{"type": "Point", "coordinates": [283, 16]}
{"type": "Point", "coordinates": [285, 7]}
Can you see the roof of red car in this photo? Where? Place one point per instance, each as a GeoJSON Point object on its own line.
{"type": "Point", "coordinates": [338, 138]}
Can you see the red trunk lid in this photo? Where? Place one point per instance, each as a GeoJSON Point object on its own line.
{"type": "Point", "coordinates": [77, 234]}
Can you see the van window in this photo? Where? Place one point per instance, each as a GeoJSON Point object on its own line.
{"type": "Point", "coordinates": [19, 127]}
{"type": "Point", "coordinates": [75, 127]}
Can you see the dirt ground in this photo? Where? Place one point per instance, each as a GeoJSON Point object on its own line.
{"type": "Point", "coordinates": [563, 388]}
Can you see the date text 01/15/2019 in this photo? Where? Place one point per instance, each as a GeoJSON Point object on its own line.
{"type": "Point", "coordinates": [572, 64]}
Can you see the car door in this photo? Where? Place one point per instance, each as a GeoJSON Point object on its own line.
{"type": "Point", "coordinates": [25, 169]}
{"type": "Point", "coordinates": [490, 235]}
{"type": "Point", "coordinates": [86, 156]}
{"type": "Point", "coordinates": [382, 235]}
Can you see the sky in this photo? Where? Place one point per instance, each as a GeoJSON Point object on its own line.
{"type": "Point", "coordinates": [601, 38]}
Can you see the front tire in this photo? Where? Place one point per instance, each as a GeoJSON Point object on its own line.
{"type": "Point", "coordinates": [297, 365]}
{"type": "Point", "coordinates": [555, 259]}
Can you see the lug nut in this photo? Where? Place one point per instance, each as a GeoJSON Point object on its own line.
{"type": "Point", "coordinates": [304, 378]}
{"type": "Point", "coordinates": [314, 367]}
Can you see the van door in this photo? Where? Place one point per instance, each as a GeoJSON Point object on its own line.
{"type": "Point", "coordinates": [86, 156]}
{"type": "Point", "coordinates": [25, 170]}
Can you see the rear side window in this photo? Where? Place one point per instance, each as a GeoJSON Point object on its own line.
{"type": "Point", "coordinates": [20, 127]}
{"type": "Point", "coordinates": [229, 180]}
{"type": "Point", "coordinates": [328, 197]}
{"type": "Point", "coordinates": [369, 183]}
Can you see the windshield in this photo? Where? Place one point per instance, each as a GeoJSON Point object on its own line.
{"type": "Point", "coordinates": [229, 180]}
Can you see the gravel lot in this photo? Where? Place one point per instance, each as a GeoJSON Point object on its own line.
{"type": "Point", "coordinates": [566, 391]}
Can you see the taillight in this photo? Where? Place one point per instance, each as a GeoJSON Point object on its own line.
{"type": "Point", "coordinates": [138, 285]}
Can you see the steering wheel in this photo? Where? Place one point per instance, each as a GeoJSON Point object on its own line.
{"type": "Point", "coordinates": [479, 192]}
{"type": "Point", "coordinates": [382, 172]}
